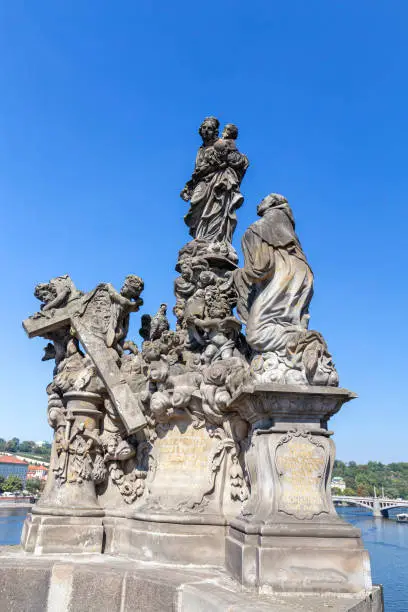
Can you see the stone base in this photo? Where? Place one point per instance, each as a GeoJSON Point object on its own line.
{"type": "Point", "coordinates": [43, 534]}
{"type": "Point", "coordinates": [86, 583]}
{"type": "Point", "coordinates": [188, 540]}
{"type": "Point", "coordinates": [290, 558]}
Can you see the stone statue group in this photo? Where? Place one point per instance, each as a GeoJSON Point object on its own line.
{"type": "Point", "coordinates": [275, 286]}
{"type": "Point", "coordinates": [198, 368]}
{"type": "Point", "coordinates": [113, 404]}
{"type": "Point", "coordinates": [206, 443]}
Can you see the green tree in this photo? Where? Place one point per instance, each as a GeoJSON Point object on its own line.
{"type": "Point", "coordinates": [2, 444]}
{"type": "Point", "coordinates": [391, 492]}
{"type": "Point", "coordinates": [44, 451]}
{"type": "Point", "coordinates": [350, 482]}
{"type": "Point", "coordinates": [393, 477]}
{"type": "Point", "coordinates": [12, 445]}
{"type": "Point", "coordinates": [340, 467]}
{"type": "Point", "coordinates": [363, 490]}
{"type": "Point", "coordinates": [1, 484]}
{"type": "Point", "coordinates": [12, 484]}
{"type": "Point", "coordinates": [33, 485]}
{"type": "Point", "coordinates": [27, 446]}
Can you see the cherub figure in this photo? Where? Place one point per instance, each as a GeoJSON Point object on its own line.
{"type": "Point", "coordinates": [129, 296]}
{"type": "Point", "coordinates": [184, 284]}
{"type": "Point", "coordinates": [46, 294]}
{"type": "Point", "coordinates": [55, 294]}
{"type": "Point", "coordinates": [220, 337]}
{"type": "Point", "coordinates": [206, 278]}
{"type": "Point", "coordinates": [226, 144]}
{"type": "Point", "coordinates": [105, 312]}
{"type": "Point", "coordinates": [128, 300]}
{"type": "Point", "coordinates": [178, 311]}
{"type": "Point", "coordinates": [217, 156]}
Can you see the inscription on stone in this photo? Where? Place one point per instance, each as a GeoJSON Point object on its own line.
{"type": "Point", "coordinates": [182, 459]}
{"type": "Point", "coordinates": [301, 467]}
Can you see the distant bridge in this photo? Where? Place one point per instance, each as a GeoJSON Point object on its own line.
{"type": "Point", "coordinates": [378, 505]}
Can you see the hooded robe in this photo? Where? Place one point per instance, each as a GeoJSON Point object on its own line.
{"type": "Point", "coordinates": [275, 285]}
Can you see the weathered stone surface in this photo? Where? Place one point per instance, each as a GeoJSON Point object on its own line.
{"type": "Point", "coordinates": [275, 288]}
{"type": "Point", "coordinates": [279, 563]}
{"type": "Point", "coordinates": [289, 455]}
{"type": "Point", "coordinates": [91, 590]}
{"type": "Point", "coordinates": [147, 594]}
{"type": "Point", "coordinates": [184, 540]}
{"type": "Point", "coordinates": [213, 190]}
{"type": "Point", "coordinates": [205, 446]}
{"type": "Point", "coordinates": [204, 598]}
{"type": "Point", "coordinates": [289, 403]}
{"type": "Point", "coordinates": [79, 583]}
{"type": "Point", "coordinates": [189, 469]}
{"type": "Point", "coordinates": [24, 588]}
{"type": "Point", "coordinates": [289, 461]}
{"type": "Point", "coordinates": [77, 462]}
{"type": "Point", "coordinates": [100, 320]}
{"type": "Point", "coordinates": [44, 534]}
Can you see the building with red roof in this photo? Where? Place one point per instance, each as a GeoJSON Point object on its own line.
{"type": "Point", "coordinates": [39, 472]}
{"type": "Point", "coordinates": [11, 466]}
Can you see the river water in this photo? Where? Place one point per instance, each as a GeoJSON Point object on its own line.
{"type": "Point", "coordinates": [11, 524]}
{"type": "Point", "coordinates": [387, 542]}
{"type": "Point", "coordinates": [385, 539]}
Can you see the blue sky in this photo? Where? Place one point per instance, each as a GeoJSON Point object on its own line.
{"type": "Point", "coordinates": [99, 109]}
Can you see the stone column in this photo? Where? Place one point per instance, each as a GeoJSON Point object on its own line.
{"type": "Point", "coordinates": [67, 518]}
{"type": "Point", "coordinates": [289, 536]}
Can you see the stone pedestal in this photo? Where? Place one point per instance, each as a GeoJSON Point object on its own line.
{"type": "Point", "coordinates": [68, 518]}
{"type": "Point", "coordinates": [289, 537]}
{"type": "Point", "coordinates": [168, 539]}
{"type": "Point", "coordinates": [183, 517]}
{"type": "Point", "coordinates": [62, 534]}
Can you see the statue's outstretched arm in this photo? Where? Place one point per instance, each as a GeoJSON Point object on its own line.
{"type": "Point", "coordinates": [134, 306]}
{"type": "Point", "coordinates": [118, 298]}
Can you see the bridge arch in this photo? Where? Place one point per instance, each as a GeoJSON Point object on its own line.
{"type": "Point", "coordinates": [378, 505]}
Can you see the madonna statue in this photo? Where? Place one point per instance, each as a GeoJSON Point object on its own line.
{"type": "Point", "coordinates": [214, 188]}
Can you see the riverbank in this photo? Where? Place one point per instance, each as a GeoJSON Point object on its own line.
{"type": "Point", "coordinates": [24, 506]}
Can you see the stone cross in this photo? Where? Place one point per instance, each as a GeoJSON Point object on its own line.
{"type": "Point", "coordinates": [122, 397]}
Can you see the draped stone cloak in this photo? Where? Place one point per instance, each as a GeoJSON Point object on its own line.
{"type": "Point", "coordinates": [275, 285]}
{"type": "Point", "coordinates": [216, 197]}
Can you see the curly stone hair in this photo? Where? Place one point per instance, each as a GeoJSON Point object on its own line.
{"type": "Point", "coordinates": [230, 131]}
{"type": "Point", "coordinates": [44, 287]}
{"type": "Point", "coordinates": [135, 283]}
